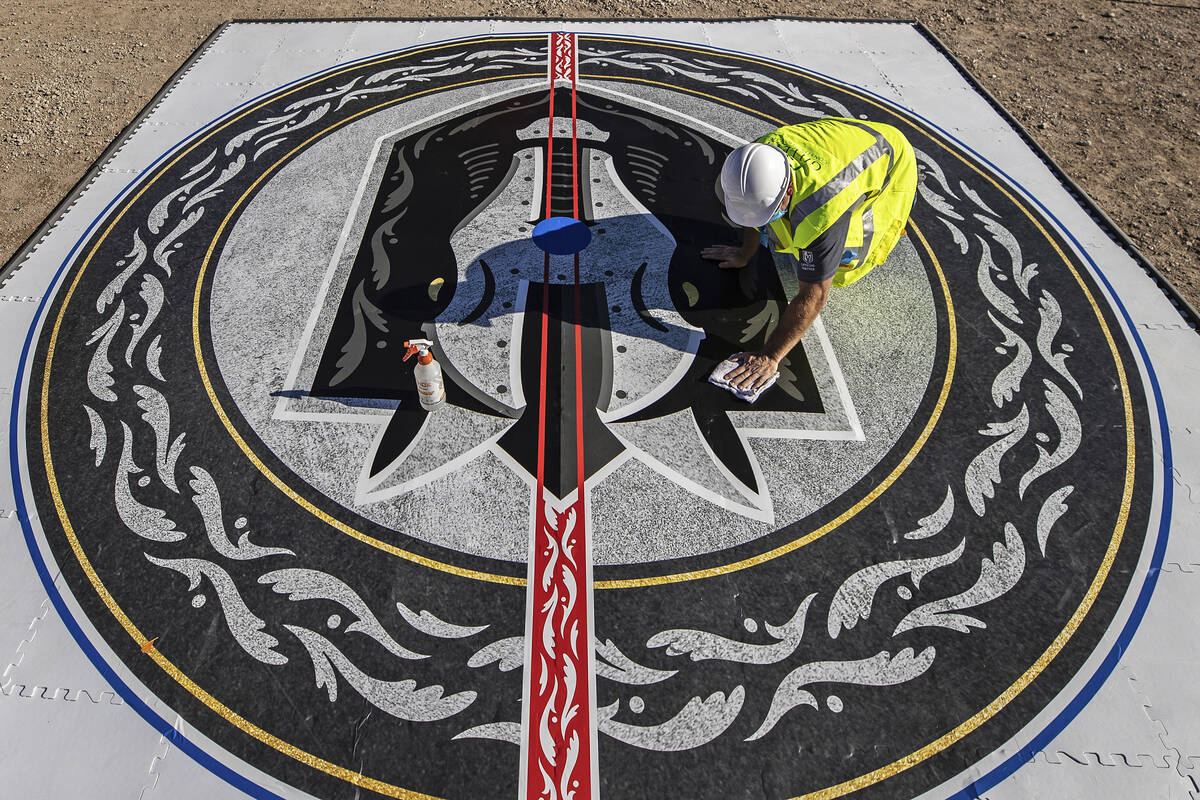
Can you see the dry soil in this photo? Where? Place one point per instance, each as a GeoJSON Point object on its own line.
{"type": "Point", "coordinates": [1108, 87]}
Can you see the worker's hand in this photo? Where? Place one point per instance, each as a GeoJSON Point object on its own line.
{"type": "Point", "coordinates": [731, 257]}
{"type": "Point", "coordinates": [754, 370]}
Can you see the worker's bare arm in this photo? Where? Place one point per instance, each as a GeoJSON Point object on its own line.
{"type": "Point", "coordinates": [757, 368]}
{"type": "Point", "coordinates": [734, 257]}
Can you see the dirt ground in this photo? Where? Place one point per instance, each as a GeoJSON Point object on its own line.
{"type": "Point", "coordinates": [1108, 87]}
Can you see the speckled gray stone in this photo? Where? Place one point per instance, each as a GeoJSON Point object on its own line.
{"type": "Point", "coordinates": [670, 498]}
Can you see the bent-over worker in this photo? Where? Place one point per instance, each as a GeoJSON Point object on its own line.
{"type": "Point", "coordinates": [834, 195]}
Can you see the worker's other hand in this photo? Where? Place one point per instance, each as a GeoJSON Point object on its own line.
{"type": "Point", "coordinates": [753, 371]}
{"type": "Point", "coordinates": [729, 256]}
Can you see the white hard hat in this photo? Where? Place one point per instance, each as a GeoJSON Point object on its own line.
{"type": "Point", "coordinates": [755, 178]}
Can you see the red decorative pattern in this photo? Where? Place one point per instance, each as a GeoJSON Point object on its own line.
{"type": "Point", "coordinates": [558, 747]}
{"type": "Point", "coordinates": [562, 57]}
{"type": "Point", "coordinates": [559, 727]}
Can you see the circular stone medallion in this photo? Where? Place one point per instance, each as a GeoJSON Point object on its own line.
{"type": "Point", "coordinates": [884, 569]}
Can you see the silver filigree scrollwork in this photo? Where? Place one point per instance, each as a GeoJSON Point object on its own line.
{"type": "Point", "coordinates": [741, 83]}
{"type": "Point", "coordinates": [147, 265]}
{"type": "Point", "coordinates": [1015, 399]}
{"type": "Point", "coordinates": [129, 309]}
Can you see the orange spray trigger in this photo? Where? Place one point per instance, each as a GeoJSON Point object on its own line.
{"type": "Point", "coordinates": [421, 348]}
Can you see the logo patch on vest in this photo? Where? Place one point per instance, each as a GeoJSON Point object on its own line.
{"type": "Point", "coordinates": [807, 160]}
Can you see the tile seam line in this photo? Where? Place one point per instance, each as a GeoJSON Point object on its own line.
{"type": "Point", "coordinates": [1166, 737]}
{"type": "Point", "coordinates": [21, 650]}
{"type": "Point", "coordinates": [68, 695]}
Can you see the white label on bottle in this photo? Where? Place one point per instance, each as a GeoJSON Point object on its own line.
{"type": "Point", "coordinates": [431, 390]}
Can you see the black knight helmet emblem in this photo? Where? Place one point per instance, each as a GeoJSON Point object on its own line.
{"type": "Point", "coordinates": [446, 250]}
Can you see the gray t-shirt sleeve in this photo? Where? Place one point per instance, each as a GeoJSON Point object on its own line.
{"type": "Point", "coordinates": [819, 261]}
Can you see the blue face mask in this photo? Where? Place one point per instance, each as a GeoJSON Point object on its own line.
{"type": "Point", "coordinates": [778, 215]}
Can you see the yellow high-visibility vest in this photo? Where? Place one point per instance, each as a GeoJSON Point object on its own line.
{"type": "Point", "coordinates": [840, 165]}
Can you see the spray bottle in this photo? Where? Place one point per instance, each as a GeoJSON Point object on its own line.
{"type": "Point", "coordinates": [431, 389]}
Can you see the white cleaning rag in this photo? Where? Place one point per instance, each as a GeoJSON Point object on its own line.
{"type": "Point", "coordinates": [717, 378]}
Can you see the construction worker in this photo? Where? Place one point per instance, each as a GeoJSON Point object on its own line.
{"type": "Point", "coordinates": [834, 195]}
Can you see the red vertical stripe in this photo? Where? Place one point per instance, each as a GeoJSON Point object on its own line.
{"type": "Point", "coordinates": [575, 775]}
{"type": "Point", "coordinates": [540, 753]}
{"type": "Point", "coordinates": [558, 733]}
{"type": "Point", "coordinates": [579, 778]}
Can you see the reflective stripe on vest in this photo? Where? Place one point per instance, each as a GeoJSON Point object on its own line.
{"type": "Point", "coordinates": [805, 206]}
{"type": "Point", "coordinates": [838, 183]}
